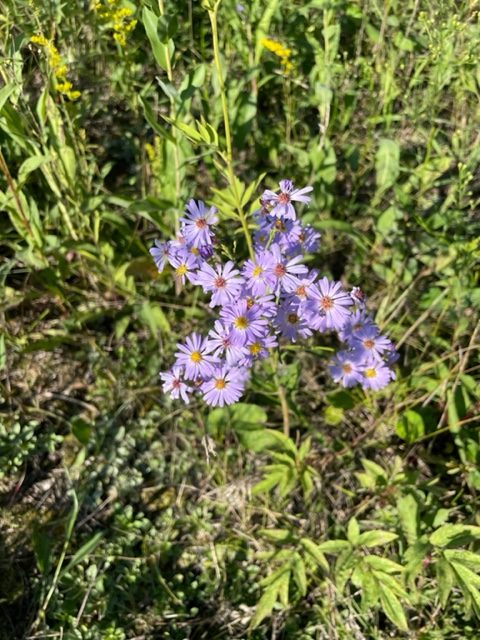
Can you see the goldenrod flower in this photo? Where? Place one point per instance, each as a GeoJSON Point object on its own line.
{"type": "Point", "coordinates": [57, 65]}
{"type": "Point", "coordinates": [281, 52]}
{"type": "Point", "coordinates": [120, 17]}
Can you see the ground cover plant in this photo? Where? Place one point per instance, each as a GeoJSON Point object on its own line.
{"type": "Point", "coordinates": [308, 507]}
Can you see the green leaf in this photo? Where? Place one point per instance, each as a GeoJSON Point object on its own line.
{"type": "Point", "coordinates": [334, 546]}
{"type": "Point", "coordinates": [468, 558]}
{"type": "Point", "coordinates": [42, 547]}
{"type": "Point", "coordinates": [353, 532]}
{"type": "Point", "coordinates": [265, 605]}
{"type": "Point", "coordinates": [454, 534]}
{"type": "Point", "coordinates": [411, 426]}
{"type": "Point", "coordinates": [407, 509]}
{"type": "Point", "coordinates": [392, 607]}
{"type": "Point", "coordinates": [278, 535]}
{"type": "Point", "coordinates": [445, 580]}
{"type": "Point", "coordinates": [153, 316]}
{"type": "Point", "coordinates": [376, 538]}
{"type": "Point", "coordinates": [383, 564]}
{"type": "Point", "coordinates": [160, 50]}
{"type": "Point", "coordinates": [299, 574]}
{"type": "Point", "coordinates": [84, 551]}
{"type": "Point", "coordinates": [387, 163]}
{"type": "Point", "coordinates": [314, 551]}
{"type": "Point", "coordinates": [81, 429]}
{"type": "Point", "coordinates": [248, 416]}
{"type": "Point", "coordinates": [3, 352]}
{"type": "Point", "coordinates": [469, 582]}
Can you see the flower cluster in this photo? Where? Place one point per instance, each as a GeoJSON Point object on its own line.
{"type": "Point", "coordinates": [283, 53]}
{"type": "Point", "coordinates": [120, 18]}
{"type": "Point", "coordinates": [272, 297]}
{"type": "Point", "coordinates": [57, 65]}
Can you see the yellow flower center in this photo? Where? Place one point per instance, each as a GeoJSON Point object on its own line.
{"type": "Point", "coordinates": [220, 383]}
{"type": "Point", "coordinates": [196, 357]}
{"type": "Point", "coordinates": [257, 271]}
{"type": "Point", "coordinates": [181, 270]}
{"type": "Point", "coordinates": [370, 373]}
{"type": "Point", "coordinates": [255, 348]}
{"type": "Point", "coordinates": [241, 322]}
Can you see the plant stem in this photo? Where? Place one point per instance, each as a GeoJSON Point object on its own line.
{"type": "Point", "coordinates": [228, 157]}
{"type": "Point", "coordinates": [173, 115]}
{"type": "Point", "coordinates": [282, 396]}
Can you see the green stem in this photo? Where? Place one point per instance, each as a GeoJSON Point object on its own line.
{"type": "Point", "coordinates": [282, 396]}
{"type": "Point", "coordinates": [173, 115]}
{"type": "Point", "coordinates": [228, 158]}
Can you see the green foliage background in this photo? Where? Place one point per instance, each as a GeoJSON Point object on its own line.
{"type": "Point", "coordinates": [125, 515]}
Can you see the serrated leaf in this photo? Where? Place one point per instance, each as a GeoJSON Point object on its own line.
{"type": "Point", "coordinates": [455, 534]}
{"type": "Point", "coordinates": [265, 605]}
{"type": "Point", "coordinates": [445, 580]}
{"type": "Point", "coordinates": [334, 546]}
{"type": "Point", "coordinates": [376, 538]}
{"type": "Point", "coordinates": [383, 564]}
{"type": "Point", "coordinates": [392, 607]}
{"type": "Point", "coordinates": [299, 574]}
{"type": "Point", "coordinates": [468, 558]}
{"type": "Point", "coordinates": [314, 551]}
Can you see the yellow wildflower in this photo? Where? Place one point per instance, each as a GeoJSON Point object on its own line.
{"type": "Point", "coordinates": [119, 17]}
{"type": "Point", "coordinates": [284, 53]}
{"type": "Point", "coordinates": [57, 65]}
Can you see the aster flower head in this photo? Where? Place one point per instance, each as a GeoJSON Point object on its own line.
{"type": "Point", "coordinates": [161, 253]}
{"type": "Point", "coordinates": [371, 342]}
{"type": "Point", "coordinates": [226, 343]}
{"type": "Point", "coordinates": [329, 306]}
{"type": "Point", "coordinates": [196, 356]}
{"type": "Point", "coordinates": [258, 273]}
{"type": "Point", "coordinates": [291, 322]}
{"type": "Point", "coordinates": [225, 386]}
{"type": "Point", "coordinates": [287, 270]}
{"type": "Point", "coordinates": [197, 222]}
{"type": "Point", "coordinates": [282, 202]}
{"type": "Point", "coordinates": [346, 368]}
{"type": "Point", "coordinates": [259, 349]}
{"type": "Point", "coordinates": [174, 384]}
{"type": "Point", "coordinates": [376, 375]}
{"type": "Point", "coordinates": [246, 323]}
{"type": "Point", "coordinates": [225, 282]}
{"type": "Point", "coordinates": [185, 265]}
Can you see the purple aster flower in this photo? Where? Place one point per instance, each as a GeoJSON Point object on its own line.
{"type": "Point", "coordinates": [246, 324]}
{"type": "Point", "coordinates": [346, 367]}
{"type": "Point", "coordinates": [161, 253]}
{"type": "Point", "coordinates": [358, 297]}
{"type": "Point", "coordinates": [287, 234]}
{"type": "Point", "coordinates": [225, 282]}
{"type": "Point", "coordinates": [224, 342]}
{"type": "Point", "coordinates": [328, 308]}
{"type": "Point", "coordinates": [196, 356]}
{"type": "Point", "coordinates": [309, 240]}
{"type": "Point", "coordinates": [184, 264]}
{"type": "Point", "coordinates": [304, 287]}
{"type": "Point", "coordinates": [291, 322]}
{"type": "Point", "coordinates": [282, 202]}
{"type": "Point", "coordinates": [265, 305]}
{"type": "Point", "coordinates": [371, 342]}
{"type": "Point", "coordinates": [376, 375]}
{"type": "Point", "coordinates": [226, 386]}
{"type": "Point", "coordinates": [358, 321]}
{"type": "Point", "coordinates": [196, 223]}
{"type": "Point", "coordinates": [174, 384]}
{"type": "Point", "coordinates": [259, 349]}
{"type": "Point", "coordinates": [285, 270]}
{"type": "Point", "coordinates": [258, 273]}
